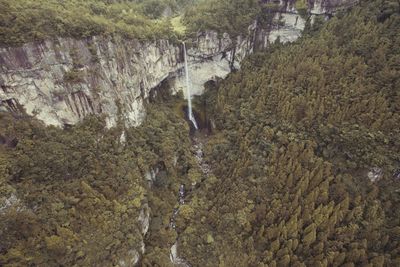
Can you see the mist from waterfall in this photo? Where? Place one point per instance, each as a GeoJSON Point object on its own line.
{"type": "Point", "coordinates": [188, 86]}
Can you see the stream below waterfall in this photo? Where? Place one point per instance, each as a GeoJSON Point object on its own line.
{"type": "Point", "coordinates": [197, 145]}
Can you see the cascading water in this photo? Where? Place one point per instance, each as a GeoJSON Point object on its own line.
{"type": "Point", "coordinates": [188, 86]}
{"type": "Point", "coordinates": [182, 195]}
{"type": "Point", "coordinates": [205, 168]}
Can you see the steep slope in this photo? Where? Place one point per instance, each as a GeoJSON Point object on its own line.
{"type": "Point", "coordinates": [88, 195]}
{"type": "Point", "coordinates": [63, 81]}
{"type": "Point", "coordinates": [79, 66]}
{"type": "Point", "coordinates": [305, 153]}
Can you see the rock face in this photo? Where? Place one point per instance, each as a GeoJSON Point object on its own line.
{"type": "Point", "coordinates": [133, 255]}
{"type": "Point", "coordinates": [62, 81]}
{"type": "Point", "coordinates": [289, 19]}
{"type": "Point", "coordinates": [212, 56]}
{"type": "Point", "coordinates": [9, 202]}
{"type": "Point", "coordinates": [288, 27]}
{"type": "Point", "coordinates": [314, 7]}
{"type": "Point", "coordinates": [375, 174]}
{"type": "Point", "coordinates": [329, 7]}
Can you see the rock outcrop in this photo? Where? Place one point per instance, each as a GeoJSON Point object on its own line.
{"type": "Point", "coordinates": [62, 81]}
{"type": "Point", "coordinates": [132, 257]}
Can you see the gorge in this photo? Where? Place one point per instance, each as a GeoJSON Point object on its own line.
{"type": "Point", "coordinates": [199, 133]}
{"type": "Point", "coordinates": [61, 81]}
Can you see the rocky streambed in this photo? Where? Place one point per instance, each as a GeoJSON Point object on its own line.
{"type": "Point", "coordinates": [198, 141]}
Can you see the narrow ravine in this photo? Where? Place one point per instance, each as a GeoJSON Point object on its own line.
{"type": "Point", "coordinates": [197, 145]}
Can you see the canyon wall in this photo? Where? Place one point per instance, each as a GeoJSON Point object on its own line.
{"type": "Point", "coordinates": [61, 81]}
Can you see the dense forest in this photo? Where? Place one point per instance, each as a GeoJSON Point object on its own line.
{"type": "Point", "coordinates": [35, 20]}
{"type": "Point", "coordinates": [299, 130]}
{"type": "Point", "coordinates": [226, 16]}
{"type": "Point", "coordinates": [23, 21]}
{"type": "Point", "coordinates": [72, 197]}
{"type": "Point", "coordinates": [304, 155]}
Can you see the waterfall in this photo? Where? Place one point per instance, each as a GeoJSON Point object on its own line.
{"type": "Point", "coordinates": [188, 86]}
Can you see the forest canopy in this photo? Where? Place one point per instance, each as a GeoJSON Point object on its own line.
{"type": "Point", "coordinates": [224, 16]}
{"type": "Point", "coordinates": [32, 20]}
{"type": "Point", "coordinates": [304, 150]}
{"type": "Point", "coordinates": [72, 197]}
{"type": "Point", "coordinates": [23, 21]}
{"type": "Point", "coordinates": [302, 131]}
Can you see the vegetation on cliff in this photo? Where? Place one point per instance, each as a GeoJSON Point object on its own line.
{"type": "Point", "coordinates": [305, 156]}
{"type": "Point", "coordinates": [73, 197]}
{"type": "Point", "coordinates": [301, 131]}
{"type": "Point", "coordinates": [224, 16]}
{"type": "Point", "coordinates": [23, 21]}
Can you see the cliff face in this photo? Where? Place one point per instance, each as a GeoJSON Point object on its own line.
{"type": "Point", "coordinates": [62, 81]}
{"type": "Point", "coordinates": [212, 56]}
{"type": "Point", "coordinates": [289, 17]}
{"type": "Point", "coordinates": [314, 7]}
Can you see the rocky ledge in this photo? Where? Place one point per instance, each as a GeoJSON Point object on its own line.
{"type": "Point", "coordinates": [61, 81]}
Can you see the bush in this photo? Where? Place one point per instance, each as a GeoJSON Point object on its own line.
{"type": "Point", "coordinates": [74, 76]}
{"type": "Point", "coordinates": [23, 21]}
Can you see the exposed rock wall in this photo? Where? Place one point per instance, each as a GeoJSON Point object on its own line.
{"type": "Point", "coordinates": [319, 7]}
{"type": "Point", "coordinates": [289, 17]}
{"type": "Point", "coordinates": [314, 7]}
{"type": "Point", "coordinates": [62, 81]}
{"type": "Point", "coordinates": [213, 56]}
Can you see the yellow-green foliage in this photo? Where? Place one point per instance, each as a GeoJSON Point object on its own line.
{"type": "Point", "coordinates": [300, 4]}
{"type": "Point", "coordinates": [32, 20]}
{"type": "Point", "coordinates": [301, 7]}
{"type": "Point", "coordinates": [177, 25]}
{"type": "Point", "coordinates": [298, 128]}
{"type": "Point", "coordinates": [80, 191]}
{"type": "Point", "coordinates": [230, 16]}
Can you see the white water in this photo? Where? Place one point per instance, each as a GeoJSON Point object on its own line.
{"type": "Point", "coordinates": [175, 259]}
{"type": "Point", "coordinates": [188, 86]}
{"type": "Point", "coordinates": [206, 169]}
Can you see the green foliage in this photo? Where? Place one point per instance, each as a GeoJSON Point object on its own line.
{"type": "Point", "coordinates": [301, 7]}
{"type": "Point", "coordinates": [23, 21]}
{"type": "Point", "coordinates": [79, 191]}
{"type": "Point", "coordinates": [297, 130]}
{"type": "Point", "coordinates": [230, 16]}
{"type": "Point", "coordinates": [74, 76]}
{"type": "Point", "coordinates": [177, 25]}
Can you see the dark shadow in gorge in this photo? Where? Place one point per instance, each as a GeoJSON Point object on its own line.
{"type": "Point", "coordinates": [203, 124]}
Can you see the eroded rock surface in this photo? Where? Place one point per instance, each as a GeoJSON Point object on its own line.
{"type": "Point", "coordinates": [62, 81]}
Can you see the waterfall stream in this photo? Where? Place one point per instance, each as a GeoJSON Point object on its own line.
{"type": "Point", "coordinates": [188, 87]}
{"type": "Point", "coordinates": [206, 169]}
